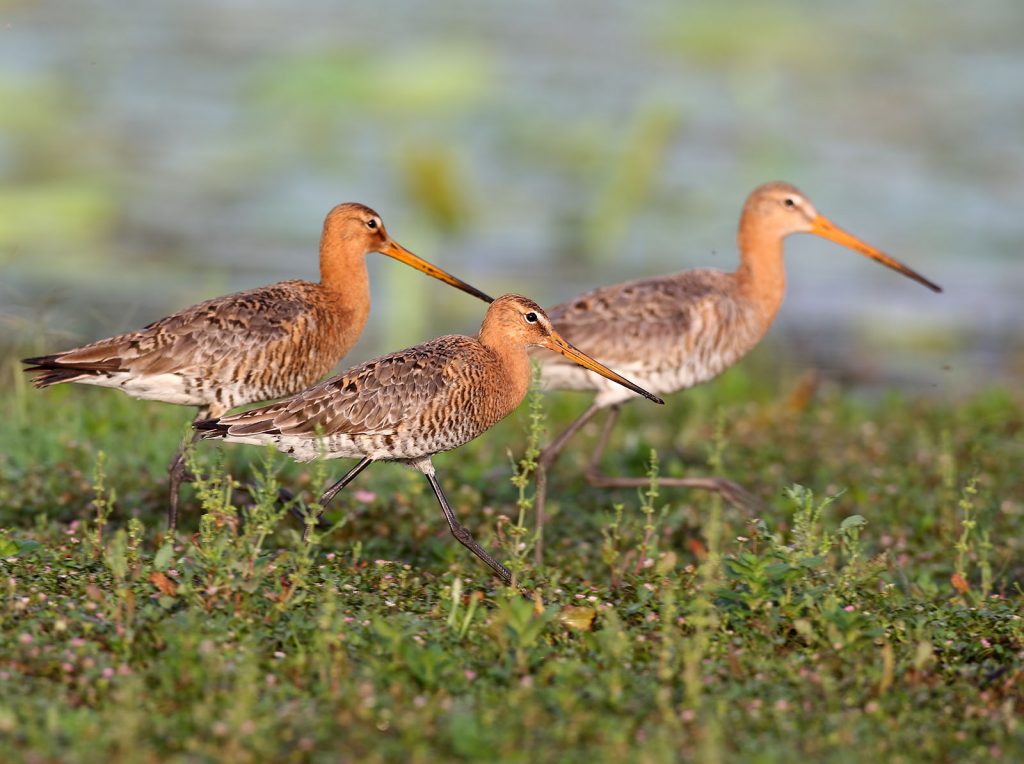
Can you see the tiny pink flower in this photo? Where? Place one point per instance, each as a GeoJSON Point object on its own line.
{"type": "Point", "coordinates": [365, 497]}
{"type": "Point", "coordinates": [469, 674]}
{"type": "Point", "coordinates": [25, 639]}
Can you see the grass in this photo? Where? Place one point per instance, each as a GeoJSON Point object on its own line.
{"type": "Point", "coordinates": [872, 610]}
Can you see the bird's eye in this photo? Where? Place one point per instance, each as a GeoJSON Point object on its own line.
{"type": "Point", "coordinates": [372, 224]}
{"type": "Point", "coordinates": [531, 318]}
{"type": "Point", "coordinates": [789, 202]}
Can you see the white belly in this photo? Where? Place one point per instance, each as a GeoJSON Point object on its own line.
{"type": "Point", "coordinates": [304, 449]}
{"type": "Point", "coordinates": [167, 388]}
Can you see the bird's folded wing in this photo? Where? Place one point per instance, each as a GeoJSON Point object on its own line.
{"type": "Point", "coordinates": [378, 397]}
{"type": "Point", "coordinates": [617, 323]}
{"type": "Point", "coordinates": [200, 334]}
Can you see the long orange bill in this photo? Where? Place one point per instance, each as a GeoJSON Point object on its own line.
{"type": "Point", "coordinates": [556, 343]}
{"type": "Point", "coordinates": [397, 251]}
{"type": "Point", "coordinates": [825, 228]}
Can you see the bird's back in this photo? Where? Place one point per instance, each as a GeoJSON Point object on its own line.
{"type": "Point", "coordinates": [429, 398]}
{"type": "Point", "coordinates": [240, 348]}
{"type": "Point", "coordinates": [667, 332]}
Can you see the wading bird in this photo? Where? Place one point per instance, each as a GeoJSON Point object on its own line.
{"type": "Point", "coordinates": [410, 405]}
{"type": "Point", "coordinates": [673, 332]}
{"type": "Point", "coordinates": [250, 346]}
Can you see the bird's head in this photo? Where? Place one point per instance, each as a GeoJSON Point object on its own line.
{"type": "Point", "coordinates": [779, 209]}
{"type": "Point", "coordinates": [517, 320]}
{"type": "Point", "coordinates": [355, 230]}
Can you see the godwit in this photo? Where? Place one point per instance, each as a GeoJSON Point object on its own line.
{"type": "Point", "coordinates": [250, 346]}
{"type": "Point", "coordinates": [673, 332]}
{"type": "Point", "coordinates": [410, 405]}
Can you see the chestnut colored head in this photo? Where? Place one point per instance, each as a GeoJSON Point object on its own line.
{"type": "Point", "coordinates": [519, 321]}
{"type": "Point", "coordinates": [355, 230]}
{"type": "Point", "coordinates": [776, 210]}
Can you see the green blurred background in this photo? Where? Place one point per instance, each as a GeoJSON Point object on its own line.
{"type": "Point", "coordinates": [152, 155]}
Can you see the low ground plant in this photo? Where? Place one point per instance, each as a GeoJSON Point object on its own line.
{"type": "Point", "coordinates": [870, 608]}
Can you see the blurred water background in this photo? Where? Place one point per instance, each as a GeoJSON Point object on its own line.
{"type": "Point", "coordinates": [156, 154]}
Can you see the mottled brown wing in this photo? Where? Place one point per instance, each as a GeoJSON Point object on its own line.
{"type": "Point", "coordinates": [199, 335]}
{"type": "Point", "coordinates": [616, 323]}
{"type": "Point", "coordinates": [374, 398]}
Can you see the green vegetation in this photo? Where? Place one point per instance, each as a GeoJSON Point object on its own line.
{"type": "Point", "coordinates": [872, 610]}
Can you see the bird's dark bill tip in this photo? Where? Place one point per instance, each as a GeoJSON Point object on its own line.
{"type": "Point", "coordinates": [649, 396]}
{"type": "Point", "coordinates": [479, 294]}
{"type": "Point", "coordinates": [926, 282]}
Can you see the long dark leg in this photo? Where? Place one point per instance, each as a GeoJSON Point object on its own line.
{"type": "Point", "coordinates": [465, 538]}
{"type": "Point", "coordinates": [544, 461]}
{"type": "Point", "coordinates": [593, 468]}
{"type": "Point", "coordinates": [177, 471]}
{"type": "Point", "coordinates": [731, 492]}
{"type": "Point", "coordinates": [330, 493]}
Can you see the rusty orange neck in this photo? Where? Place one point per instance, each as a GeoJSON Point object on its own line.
{"type": "Point", "coordinates": [761, 276]}
{"type": "Point", "coordinates": [514, 365]}
{"type": "Point", "coordinates": [343, 273]}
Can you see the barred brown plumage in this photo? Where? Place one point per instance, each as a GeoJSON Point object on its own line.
{"type": "Point", "coordinates": [673, 332]}
{"type": "Point", "coordinates": [250, 346]}
{"type": "Point", "coordinates": [410, 405]}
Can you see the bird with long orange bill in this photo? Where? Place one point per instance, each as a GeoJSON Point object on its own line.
{"type": "Point", "coordinates": [249, 346]}
{"type": "Point", "coordinates": [673, 332]}
{"type": "Point", "coordinates": [408, 406]}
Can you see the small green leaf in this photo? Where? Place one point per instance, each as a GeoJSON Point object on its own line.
{"type": "Point", "coordinates": [853, 521]}
{"type": "Point", "coordinates": [162, 559]}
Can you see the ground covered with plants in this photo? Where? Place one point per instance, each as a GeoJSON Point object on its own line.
{"type": "Point", "coordinates": [870, 608]}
